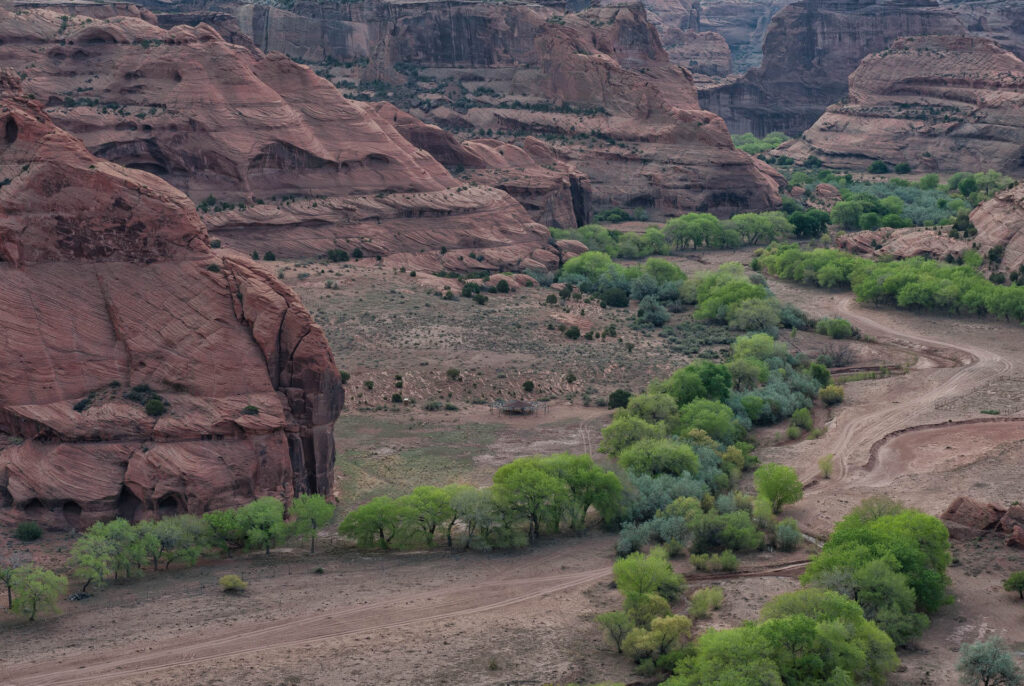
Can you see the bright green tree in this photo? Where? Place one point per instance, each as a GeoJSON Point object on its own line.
{"type": "Point", "coordinates": [588, 486]}
{"type": "Point", "coordinates": [617, 626]}
{"type": "Point", "coordinates": [310, 512]}
{"type": "Point", "coordinates": [37, 590]}
{"type": "Point", "coordinates": [526, 489]}
{"type": "Point", "coordinates": [92, 557]}
{"type": "Point", "coordinates": [1015, 582]}
{"type": "Point", "coordinates": [639, 574]}
{"type": "Point", "coordinates": [263, 520]}
{"type": "Point", "coordinates": [779, 484]}
{"type": "Point", "coordinates": [429, 508]}
{"type": "Point", "coordinates": [377, 521]}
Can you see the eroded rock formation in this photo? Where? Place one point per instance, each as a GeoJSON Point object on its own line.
{"type": "Point", "coordinates": [553, 192]}
{"type": "Point", "coordinates": [276, 157]}
{"type": "Point", "coordinates": [596, 86]}
{"type": "Point", "coordinates": [140, 372]}
{"type": "Point", "coordinates": [1000, 222]}
{"type": "Point", "coordinates": [938, 103]}
{"type": "Point", "coordinates": [810, 48]}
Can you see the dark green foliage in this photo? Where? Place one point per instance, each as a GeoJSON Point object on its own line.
{"type": "Point", "coordinates": [618, 398]}
{"type": "Point", "coordinates": [28, 531]}
{"type": "Point", "coordinates": [269, 256]}
{"type": "Point", "coordinates": [572, 332]}
{"type": "Point", "coordinates": [250, 409]}
{"type": "Point", "coordinates": [337, 255]}
{"type": "Point", "coordinates": [878, 167]}
{"type": "Point", "coordinates": [155, 407]}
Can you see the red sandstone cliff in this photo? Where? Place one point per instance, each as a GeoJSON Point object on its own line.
{"type": "Point", "coordinates": [810, 49]}
{"type": "Point", "coordinates": [110, 297]}
{"type": "Point", "coordinates": [939, 103]}
{"type": "Point", "coordinates": [596, 86]}
{"type": "Point", "coordinates": [285, 162]}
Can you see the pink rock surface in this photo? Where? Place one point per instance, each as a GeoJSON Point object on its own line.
{"type": "Point", "coordinates": [288, 164]}
{"type": "Point", "coordinates": [107, 284]}
{"type": "Point", "coordinates": [937, 103]}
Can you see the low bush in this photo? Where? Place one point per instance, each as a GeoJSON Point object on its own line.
{"type": "Point", "coordinates": [28, 531]}
{"type": "Point", "coordinates": [232, 583]}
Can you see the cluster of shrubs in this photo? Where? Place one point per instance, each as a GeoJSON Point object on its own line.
{"type": "Point", "coordinates": [681, 447]}
{"type": "Point", "coordinates": [870, 589]}
{"type": "Point", "coordinates": [529, 496]}
{"type": "Point", "coordinates": [120, 549]}
{"type": "Point", "coordinates": [620, 244]}
{"type": "Point", "coordinates": [897, 202]}
{"type": "Point", "coordinates": [916, 283]}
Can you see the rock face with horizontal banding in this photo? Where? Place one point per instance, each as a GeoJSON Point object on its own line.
{"type": "Point", "coordinates": [810, 49]}
{"type": "Point", "coordinates": [276, 158]}
{"type": "Point", "coordinates": [110, 298]}
{"type": "Point", "coordinates": [597, 86]}
{"type": "Point", "coordinates": [937, 103]}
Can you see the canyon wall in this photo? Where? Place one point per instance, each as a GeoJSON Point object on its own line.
{"type": "Point", "coordinates": [142, 373]}
{"type": "Point", "coordinates": [937, 103]}
{"type": "Point", "coordinates": [596, 86]}
{"type": "Point", "coordinates": [274, 155]}
{"type": "Point", "coordinates": [810, 49]}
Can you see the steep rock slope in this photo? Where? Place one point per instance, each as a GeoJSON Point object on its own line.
{"type": "Point", "coordinates": [554, 192]}
{"type": "Point", "coordinates": [742, 23]}
{"type": "Point", "coordinates": [938, 103]}
{"type": "Point", "coordinates": [1000, 222]}
{"type": "Point", "coordinates": [115, 308]}
{"type": "Point", "coordinates": [596, 85]}
{"type": "Point", "coordinates": [275, 155]}
{"type": "Point", "coordinates": [810, 49]}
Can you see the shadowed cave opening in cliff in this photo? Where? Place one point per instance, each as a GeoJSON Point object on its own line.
{"type": "Point", "coordinates": [128, 505]}
{"type": "Point", "coordinates": [72, 514]}
{"type": "Point", "coordinates": [10, 131]}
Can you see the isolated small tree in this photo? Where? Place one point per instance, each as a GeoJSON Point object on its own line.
{"type": "Point", "coordinates": [779, 484]}
{"type": "Point", "coordinates": [617, 626]}
{"type": "Point", "coordinates": [1015, 583]}
{"type": "Point", "coordinates": [831, 394]}
{"type": "Point", "coordinates": [528, 386]}
{"type": "Point", "coordinates": [825, 464]}
{"type": "Point", "coordinates": [988, 663]}
{"type": "Point", "coordinates": [310, 513]}
{"type": "Point", "coordinates": [37, 590]}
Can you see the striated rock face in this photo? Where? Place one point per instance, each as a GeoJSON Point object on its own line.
{"type": "Point", "coordinates": [111, 298]}
{"type": "Point", "coordinates": [938, 103]}
{"type": "Point", "coordinates": [1000, 20]}
{"type": "Point", "coordinates": [810, 49]}
{"type": "Point", "coordinates": [1000, 222]}
{"type": "Point", "coordinates": [624, 114]}
{"type": "Point", "coordinates": [596, 86]}
{"type": "Point", "coordinates": [282, 160]}
{"type": "Point", "coordinates": [553, 192]}
{"type": "Point", "coordinates": [702, 52]}
{"type": "Point", "coordinates": [743, 24]}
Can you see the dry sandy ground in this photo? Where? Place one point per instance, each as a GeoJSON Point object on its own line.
{"type": "Point", "coordinates": [523, 617]}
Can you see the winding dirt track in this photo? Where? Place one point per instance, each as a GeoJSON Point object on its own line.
{"type": "Point", "coordinates": [857, 436]}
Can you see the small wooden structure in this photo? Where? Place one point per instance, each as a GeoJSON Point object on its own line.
{"type": "Point", "coordinates": [519, 407]}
